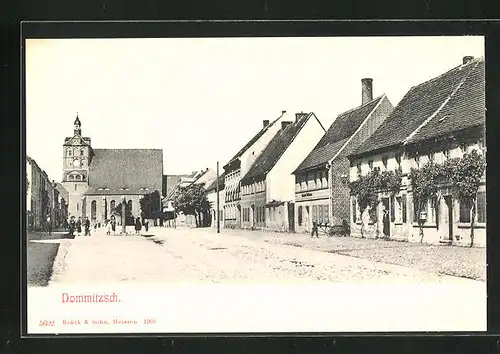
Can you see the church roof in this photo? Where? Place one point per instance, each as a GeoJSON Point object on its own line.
{"type": "Point", "coordinates": [125, 171]}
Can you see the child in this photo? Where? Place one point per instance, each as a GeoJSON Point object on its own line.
{"type": "Point", "coordinates": [108, 227]}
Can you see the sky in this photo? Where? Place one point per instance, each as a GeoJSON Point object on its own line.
{"type": "Point", "coordinates": [201, 100]}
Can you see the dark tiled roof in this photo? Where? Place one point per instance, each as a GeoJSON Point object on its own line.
{"type": "Point", "coordinates": [252, 141]}
{"type": "Point", "coordinates": [273, 151]}
{"type": "Point", "coordinates": [134, 169]}
{"type": "Point", "coordinates": [419, 103]}
{"type": "Point", "coordinates": [465, 109]}
{"type": "Point", "coordinates": [342, 128]}
{"type": "Point", "coordinates": [213, 185]}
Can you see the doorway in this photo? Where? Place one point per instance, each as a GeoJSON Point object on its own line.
{"type": "Point", "coordinates": [291, 217]}
{"type": "Point", "coordinates": [386, 221]}
{"type": "Point", "coordinates": [449, 216]}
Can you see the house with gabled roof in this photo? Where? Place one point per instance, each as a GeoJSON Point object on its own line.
{"type": "Point", "coordinates": [321, 192]}
{"type": "Point", "coordinates": [439, 119]}
{"type": "Point", "coordinates": [268, 196]}
{"type": "Point", "coordinates": [239, 165]}
{"type": "Point", "coordinates": [212, 198]}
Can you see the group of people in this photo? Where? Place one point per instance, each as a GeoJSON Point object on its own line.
{"type": "Point", "coordinates": [76, 225]}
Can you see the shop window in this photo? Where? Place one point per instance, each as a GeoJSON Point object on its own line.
{"type": "Point", "coordinates": [315, 213]}
{"type": "Point", "coordinates": [299, 215]}
{"type": "Point", "coordinates": [481, 207]}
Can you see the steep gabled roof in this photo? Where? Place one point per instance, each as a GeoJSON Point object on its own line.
{"type": "Point", "coordinates": [134, 169]}
{"type": "Point", "coordinates": [419, 103]}
{"type": "Point", "coordinates": [213, 185]}
{"type": "Point", "coordinates": [275, 149]}
{"type": "Point", "coordinates": [62, 191]}
{"type": "Point", "coordinates": [342, 128]}
{"type": "Point", "coordinates": [252, 141]}
{"type": "Point", "coordinates": [465, 109]}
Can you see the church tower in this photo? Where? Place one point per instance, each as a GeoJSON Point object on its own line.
{"type": "Point", "coordinates": [77, 156]}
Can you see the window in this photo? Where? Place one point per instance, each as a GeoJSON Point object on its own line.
{"type": "Point", "coordinates": [325, 179]}
{"type": "Point", "coordinates": [354, 209]}
{"type": "Point", "coordinates": [77, 177]}
{"type": "Point", "coordinates": [358, 168]}
{"type": "Point", "coordinates": [481, 207]}
{"type": "Point", "coordinates": [315, 213]}
{"type": "Point", "coordinates": [465, 212]}
{"type": "Point", "coordinates": [430, 155]}
{"type": "Point", "coordinates": [77, 206]}
{"type": "Point", "coordinates": [398, 160]}
{"type": "Point", "coordinates": [325, 214]}
{"type": "Point", "coordinates": [463, 148]}
{"type": "Point", "coordinates": [69, 152]}
{"type": "Point", "coordinates": [392, 210]}
{"type": "Point", "coordinates": [320, 213]}
{"type": "Point", "coordinates": [384, 161]}
{"type": "Point", "coordinates": [112, 206]}
{"type": "Point", "coordinates": [71, 177]}
{"type": "Point", "coordinates": [417, 160]}
{"type": "Point", "coordinates": [81, 152]}
{"type": "Point", "coordinates": [370, 164]}
{"type": "Point", "coordinates": [446, 153]}
{"type": "Point", "coordinates": [299, 215]}
{"type": "Point", "coordinates": [319, 177]}
{"type": "Point", "coordinates": [416, 211]}
{"type": "Point", "coordinates": [76, 187]}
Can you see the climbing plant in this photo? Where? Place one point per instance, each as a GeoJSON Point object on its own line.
{"type": "Point", "coordinates": [367, 187]}
{"type": "Point", "coordinates": [463, 174]}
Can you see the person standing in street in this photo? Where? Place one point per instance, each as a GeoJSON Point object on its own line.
{"type": "Point", "coordinates": [72, 226]}
{"type": "Point", "coordinates": [87, 226]}
{"type": "Point", "coordinates": [138, 225]}
{"type": "Point", "coordinates": [49, 225]}
{"type": "Point", "coordinates": [113, 224]}
{"type": "Point", "coordinates": [314, 229]}
{"type": "Point", "coordinates": [146, 225]}
{"type": "Point", "coordinates": [79, 226]}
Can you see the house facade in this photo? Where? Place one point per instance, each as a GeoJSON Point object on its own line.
{"type": "Point", "coordinates": [239, 165]}
{"type": "Point", "coordinates": [268, 192]}
{"type": "Point", "coordinates": [212, 198]}
{"type": "Point", "coordinates": [321, 190]}
{"type": "Point", "coordinates": [437, 120]}
{"type": "Point", "coordinates": [39, 195]}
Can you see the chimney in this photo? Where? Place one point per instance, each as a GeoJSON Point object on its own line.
{"type": "Point", "coordinates": [265, 122]}
{"type": "Point", "coordinates": [467, 59]}
{"type": "Point", "coordinates": [299, 115]}
{"type": "Point", "coordinates": [366, 90]}
{"type": "Point", "coordinates": [283, 113]}
{"type": "Point", "coordinates": [285, 124]}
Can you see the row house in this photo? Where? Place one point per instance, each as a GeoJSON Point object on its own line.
{"type": "Point", "coordinates": [212, 198]}
{"type": "Point", "coordinates": [239, 165]}
{"type": "Point", "coordinates": [321, 190]}
{"type": "Point", "coordinates": [439, 119]}
{"type": "Point", "coordinates": [268, 189]}
{"type": "Point", "coordinates": [42, 198]}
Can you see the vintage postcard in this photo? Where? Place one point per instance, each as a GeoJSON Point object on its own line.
{"type": "Point", "coordinates": [255, 185]}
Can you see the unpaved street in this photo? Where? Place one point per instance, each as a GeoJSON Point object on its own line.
{"type": "Point", "coordinates": [201, 255]}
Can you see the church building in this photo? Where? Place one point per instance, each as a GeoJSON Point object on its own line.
{"type": "Point", "coordinates": [98, 180]}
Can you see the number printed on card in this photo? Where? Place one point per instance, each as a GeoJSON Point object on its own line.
{"type": "Point", "coordinates": [149, 321]}
{"type": "Point", "coordinates": [47, 323]}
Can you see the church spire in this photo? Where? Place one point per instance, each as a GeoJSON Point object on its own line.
{"type": "Point", "coordinates": [77, 126]}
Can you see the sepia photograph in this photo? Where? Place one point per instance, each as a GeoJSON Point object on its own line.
{"type": "Point", "coordinates": [255, 185]}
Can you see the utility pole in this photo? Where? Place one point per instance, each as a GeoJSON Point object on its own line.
{"type": "Point", "coordinates": [217, 189]}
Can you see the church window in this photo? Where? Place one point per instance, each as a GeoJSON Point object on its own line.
{"type": "Point", "coordinates": [93, 210]}
{"type": "Point", "coordinates": [71, 177]}
{"type": "Point", "coordinates": [77, 177]}
{"type": "Point", "coordinates": [69, 152]}
{"type": "Point", "coordinates": [81, 152]}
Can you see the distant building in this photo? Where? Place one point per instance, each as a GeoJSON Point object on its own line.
{"type": "Point", "coordinates": [212, 198]}
{"type": "Point", "coordinates": [97, 180]}
{"type": "Point", "coordinates": [239, 165]}
{"type": "Point", "coordinates": [268, 188]}
{"type": "Point", "coordinates": [322, 193]}
{"type": "Point", "coordinates": [39, 196]}
{"type": "Point", "coordinates": [439, 119]}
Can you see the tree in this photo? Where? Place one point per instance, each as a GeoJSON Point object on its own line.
{"type": "Point", "coordinates": [192, 200]}
{"type": "Point", "coordinates": [424, 183]}
{"type": "Point", "coordinates": [465, 175]}
{"type": "Point", "coordinates": [151, 205]}
{"type": "Point", "coordinates": [367, 187]}
{"type": "Point", "coordinates": [128, 213]}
